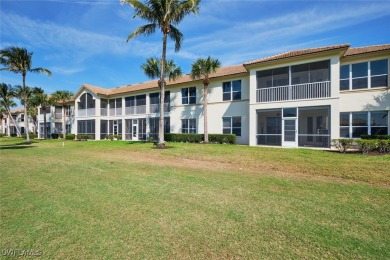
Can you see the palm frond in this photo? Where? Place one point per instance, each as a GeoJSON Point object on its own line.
{"type": "Point", "coordinates": [41, 70]}
{"type": "Point", "coordinates": [145, 30]}
{"type": "Point", "coordinates": [176, 36]}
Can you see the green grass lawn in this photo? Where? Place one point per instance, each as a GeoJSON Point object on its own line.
{"type": "Point", "coordinates": [103, 200]}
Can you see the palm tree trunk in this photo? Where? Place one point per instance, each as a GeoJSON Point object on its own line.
{"type": "Point", "coordinates": [161, 142]}
{"type": "Point", "coordinates": [63, 122]}
{"type": "Point", "coordinates": [206, 132]}
{"type": "Point", "coordinates": [25, 109]}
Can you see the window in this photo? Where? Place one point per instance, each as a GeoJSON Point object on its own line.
{"type": "Point", "coordinates": [310, 72]}
{"type": "Point", "coordinates": [232, 90]}
{"type": "Point", "coordinates": [58, 128]}
{"type": "Point", "coordinates": [355, 124]}
{"type": "Point", "coordinates": [86, 127]}
{"type": "Point", "coordinates": [154, 126]}
{"type": "Point", "coordinates": [188, 126]}
{"type": "Point", "coordinates": [372, 74]}
{"type": "Point", "coordinates": [379, 72]}
{"type": "Point", "coordinates": [22, 117]}
{"type": "Point", "coordinates": [135, 105]}
{"type": "Point", "coordinates": [115, 106]}
{"type": "Point", "coordinates": [188, 95]}
{"type": "Point", "coordinates": [155, 102]}
{"type": "Point", "coordinates": [231, 125]}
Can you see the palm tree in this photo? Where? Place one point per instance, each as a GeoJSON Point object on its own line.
{"type": "Point", "coordinates": [7, 93]}
{"type": "Point", "coordinates": [33, 113]}
{"type": "Point", "coordinates": [62, 97]}
{"type": "Point", "coordinates": [40, 99]}
{"type": "Point", "coordinates": [152, 69]}
{"type": "Point", "coordinates": [162, 15]}
{"type": "Point", "coordinates": [202, 68]}
{"type": "Point", "coordinates": [25, 95]}
{"type": "Point", "coordinates": [19, 60]}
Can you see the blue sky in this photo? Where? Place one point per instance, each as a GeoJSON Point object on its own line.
{"type": "Point", "coordinates": [84, 41]}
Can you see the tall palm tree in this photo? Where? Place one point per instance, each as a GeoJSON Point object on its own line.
{"type": "Point", "coordinates": [33, 113]}
{"type": "Point", "coordinates": [41, 99]}
{"type": "Point", "coordinates": [163, 15]}
{"type": "Point", "coordinates": [7, 93]}
{"type": "Point", "coordinates": [19, 60]}
{"type": "Point", "coordinates": [202, 68]}
{"type": "Point", "coordinates": [2, 111]}
{"type": "Point", "coordinates": [62, 97]}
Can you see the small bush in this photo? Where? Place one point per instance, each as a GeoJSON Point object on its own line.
{"type": "Point", "coordinates": [384, 146]}
{"type": "Point", "coordinates": [2, 135]}
{"type": "Point", "coordinates": [84, 137]}
{"type": "Point", "coordinates": [14, 135]}
{"type": "Point", "coordinates": [378, 137]}
{"type": "Point", "coordinates": [54, 136]}
{"type": "Point", "coordinates": [366, 146]}
{"type": "Point", "coordinates": [112, 137]}
{"type": "Point", "coordinates": [342, 144]}
{"type": "Point", "coordinates": [198, 138]}
{"type": "Point", "coordinates": [70, 136]}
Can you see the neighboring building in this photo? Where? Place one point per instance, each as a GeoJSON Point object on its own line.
{"type": "Point", "coordinates": [9, 128]}
{"type": "Point", "coordinates": [300, 98]}
{"type": "Point", "coordinates": [54, 116]}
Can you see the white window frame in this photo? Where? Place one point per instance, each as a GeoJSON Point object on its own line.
{"type": "Point", "coordinates": [369, 76]}
{"type": "Point", "coordinates": [231, 92]}
{"type": "Point", "coordinates": [230, 128]}
{"type": "Point", "coordinates": [188, 96]}
{"type": "Point", "coordinates": [188, 129]}
{"type": "Point", "coordinates": [369, 126]}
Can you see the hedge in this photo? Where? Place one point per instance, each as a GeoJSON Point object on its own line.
{"type": "Point", "coordinates": [32, 136]}
{"type": "Point", "coordinates": [84, 137]}
{"type": "Point", "coordinates": [70, 136]}
{"type": "Point", "coordinates": [378, 137]}
{"type": "Point", "coordinates": [342, 144]}
{"type": "Point", "coordinates": [198, 138]}
{"type": "Point", "coordinates": [55, 136]}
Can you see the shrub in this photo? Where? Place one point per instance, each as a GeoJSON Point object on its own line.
{"type": "Point", "coordinates": [198, 138]}
{"type": "Point", "coordinates": [378, 137]}
{"type": "Point", "coordinates": [1, 135]}
{"type": "Point", "coordinates": [84, 137]}
{"type": "Point", "coordinates": [112, 137]}
{"type": "Point", "coordinates": [32, 136]}
{"type": "Point", "coordinates": [366, 146]}
{"type": "Point", "coordinates": [54, 136]}
{"type": "Point", "coordinates": [70, 136]}
{"type": "Point", "coordinates": [342, 144]}
{"type": "Point", "coordinates": [222, 138]}
{"type": "Point", "coordinates": [13, 135]}
{"type": "Point", "coordinates": [384, 146]}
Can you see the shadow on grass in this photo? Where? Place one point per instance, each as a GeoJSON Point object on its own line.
{"type": "Point", "coordinates": [16, 144]}
{"type": "Point", "coordinates": [15, 147]}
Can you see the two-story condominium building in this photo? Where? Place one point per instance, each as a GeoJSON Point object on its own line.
{"type": "Point", "coordinates": [300, 98]}
{"type": "Point", "coordinates": [9, 126]}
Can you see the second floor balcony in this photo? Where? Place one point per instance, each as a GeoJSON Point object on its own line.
{"type": "Point", "coordinates": [155, 108]}
{"type": "Point", "coordinates": [135, 110]}
{"type": "Point", "coordinates": [86, 112]}
{"type": "Point", "coordinates": [294, 92]}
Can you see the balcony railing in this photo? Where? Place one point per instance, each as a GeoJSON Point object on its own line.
{"type": "Point", "coordinates": [135, 110]}
{"type": "Point", "coordinates": [155, 108]}
{"type": "Point", "coordinates": [103, 111]}
{"type": "Point", "coordinates": [58, 116]}
{"type": "Point", "coordinates": [115, 111]}
{"type": "Point", "coordinates": [86, 112]}
{"type": "Point", "coordinates": [294, 92]}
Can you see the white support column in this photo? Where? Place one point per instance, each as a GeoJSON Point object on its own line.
{"type": "Point", "coordinates": [97, 129]}
{"type": "Point", "coordinates": [123, 128]}
{"type": "Point", "coordinates": [97, 107]}
{"type": "Point", "coordinates": [147, 111]}
{"type": "Point", "coordinates": [252, 109]}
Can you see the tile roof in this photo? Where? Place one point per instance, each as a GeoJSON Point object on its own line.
{"type": "Point", "coordinates": [366, 49]}
{"type": "Point", "coordinates": [290, 54]}
{"type": "Point", "coordinates": [224, 71]}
